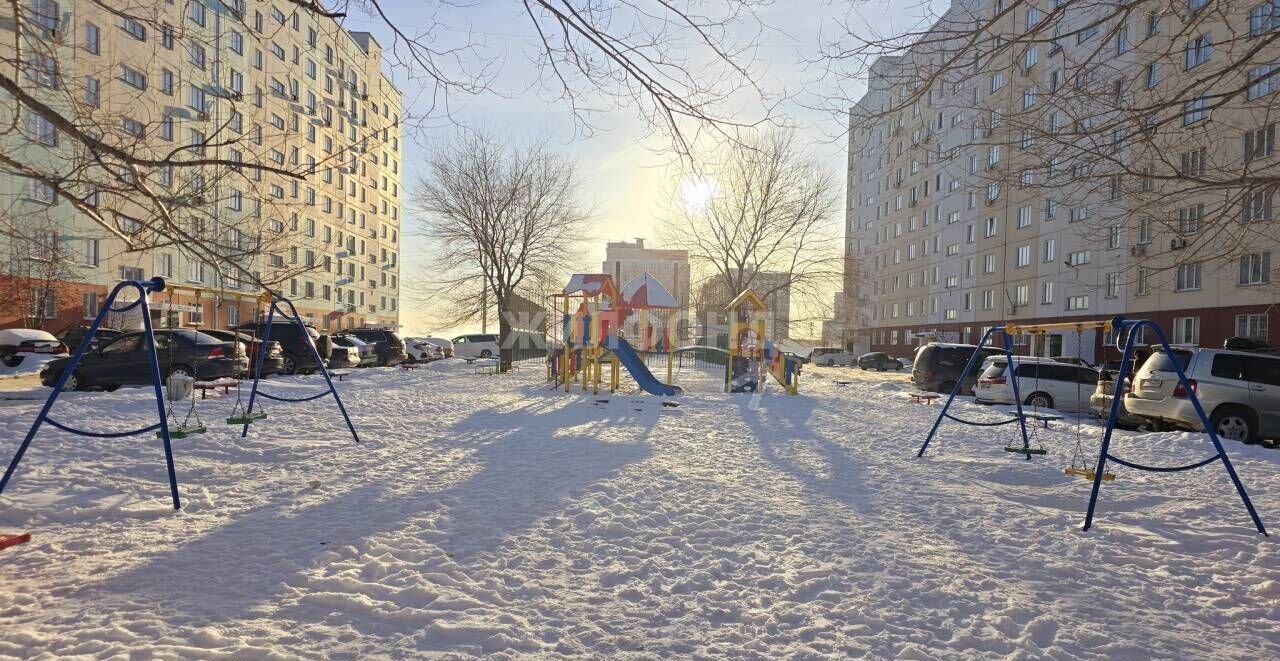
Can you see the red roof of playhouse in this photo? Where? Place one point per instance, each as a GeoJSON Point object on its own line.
{"type": "Point", "coordinates": [591, 284]}
{"type": "Point", "coordinates": [646, 291]}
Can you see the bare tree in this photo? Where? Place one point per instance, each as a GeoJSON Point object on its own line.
{"type": "Point", "coordinates": [36, 269]}
{"type": "Point", "coordinates": [770, 225]}
{"type": "Point", "coordinates": [498, 220]}
{"type": "Point", "coordinates": [1148, 122]}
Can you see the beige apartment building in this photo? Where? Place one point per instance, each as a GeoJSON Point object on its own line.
{"type": "Point", "coordinates": [239, 81]}
{"type": "Point", "coordinates": [1079, 163]}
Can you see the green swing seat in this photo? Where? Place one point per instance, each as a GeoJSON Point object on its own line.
{"type": "Point", "coordinates": [246, 418]}
{"type": "Point", "coordinates": [1018, 449]}
{"type": "Point", "coordinates": [183, 431]}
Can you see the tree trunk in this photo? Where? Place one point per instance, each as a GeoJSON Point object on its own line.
{"type": "Point", "coordinates": [506, 346]}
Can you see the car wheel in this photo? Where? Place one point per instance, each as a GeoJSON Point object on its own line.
{"type": "Point", "coordinates": [181, 369]}
{"type": "Point", "coordinates": [13, 360]}
{"type": "Point", "coordinates": [1039, 400]}
{"type": "Point", "coordinates": [486, 354]}
{"type": "Point", "coordinates": [74, 382]}
{"type": "Point", "coordinates": [1234, 424]}
{"type": "Point", "coordinates": [288, 365]}
{"type": "Point", "coordinates": [947, 387]}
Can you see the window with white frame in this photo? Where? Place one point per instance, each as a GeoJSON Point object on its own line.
{"type": "Point", "coordinates": [1252, 326]}
{"type": "Point", "coordinates": [90, 305]}
{"type": "Point", "coordinates": [1188, 277]}
{"type": "Point", "coordinates": [1024, 255]}
{"type": "Point", "coordinates": [1255, 268]}
{"type": "Point", "coordinates": [1143, 284]}
{"type": "Point", "coordinates": [1112, 285]}
{"type": "Point", "coordinates": [1079, 302]}
{"type": "Point", "coordinates": [1046, 292]}
{"type": "Point", "coordinates": [1078, 257]}
{"type": "Point", "coordinates": [1186, 330]}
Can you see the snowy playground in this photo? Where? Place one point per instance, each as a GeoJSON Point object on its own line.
{"type": "Point", "coordinates": [497, 516]}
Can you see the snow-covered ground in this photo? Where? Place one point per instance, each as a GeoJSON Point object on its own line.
{"type": "Point", "coordinates": [493, 516]}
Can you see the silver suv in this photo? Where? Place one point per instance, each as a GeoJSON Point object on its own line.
{"type": "Point", "coordinates": [1239, 391]}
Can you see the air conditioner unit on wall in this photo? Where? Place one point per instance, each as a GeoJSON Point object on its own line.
{"type": "Point", "coordinates": [1177, 243]}
{"type": "Point", "coordinates": [1138, 250]}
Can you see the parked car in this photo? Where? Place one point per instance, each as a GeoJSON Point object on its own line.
{"type": "Point", "coordinates": [938, 366]}
{"type": "Point", "coordinates": [270, 363]}
{"type": "Point", "coordinates": [1075, 360]}
{"type": "Point", "coordinates": [423, 351]}
{"type": "Point", "coordinates": [72, 336]}
{"type": "Point", "coordinates": [366, 354]}
{"type": "Point", "coordinates": [877, 360]}
{"type": "Point", "coordinates": [126, 361]}
{"type": "Point", "coordinates": [296, 357]}
{"type": "Point", "coordinates": [342, 357]}
{"type": "Point", "coordinates": [389, 346]}
{"type": "Point", "coordinates": [1239, 390]}
{"type": "Point", "coordinates": [441, 342]}
{"type": "Point", "coordinates": [816, 354]}
{"type": "Point", "coordinates": [1042, 382]}
{"type": "Point", "coordinates": [16, 343]}
{"type": "Point", "coordinates": [1100, 401]}
{"type": "Point", "coordinates": [475, 346]}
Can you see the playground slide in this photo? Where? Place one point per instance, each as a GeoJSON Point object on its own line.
{"type": "Point", "coordinates": [631, 360]}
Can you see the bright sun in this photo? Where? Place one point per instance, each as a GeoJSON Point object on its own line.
{"type": "Point", "coordinates": [696, 192]}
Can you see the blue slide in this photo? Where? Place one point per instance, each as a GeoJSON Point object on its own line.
{"type": "Point", "coordinates": [631, 360]}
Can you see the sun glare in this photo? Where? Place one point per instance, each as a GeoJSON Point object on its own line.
{"type": "Point", "coordinates": [697, 192]}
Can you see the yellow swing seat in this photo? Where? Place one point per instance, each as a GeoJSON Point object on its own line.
{"type": "Point", "coordinates": [1087, 473]}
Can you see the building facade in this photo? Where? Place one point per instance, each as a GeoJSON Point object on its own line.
{"type": "Point", "coordinates": [1060, 171]}
{"type": "Point", "coordinates": [247, 81]}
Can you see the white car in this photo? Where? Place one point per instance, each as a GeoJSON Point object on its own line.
{"type": "Point", "coordinates": [829, 356]}
{"type": "Point", "coordinates": [422, 351]}
{"type": "Point", "coordinates": [475, 346]}
{"type": "Point", "coordinates": [16, 343]}
{"type": "Point", "coordinates": [441, 342]}
{"type": "Point", "coordinates": [1043, 383]}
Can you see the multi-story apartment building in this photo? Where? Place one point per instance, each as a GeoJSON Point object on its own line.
{"type": "Point", "coordinates": [1055, 168]}
{"type": "Point", "coordinates": [245, 81]}
{"type": "Point", "coordinates": [773, 287]}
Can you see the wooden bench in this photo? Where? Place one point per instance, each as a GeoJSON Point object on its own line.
{"type": "Point", "coordinates": [205, 386]}
{"type": "Point", "coordinates": [842, 382]}
{"type": "Point", "coordinates": [339, 373]}
{"type": "Point", "coordinates": [409, 366]}
{"type": "Point", "coordinates": [923, 397]}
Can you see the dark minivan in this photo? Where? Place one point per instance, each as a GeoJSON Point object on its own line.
{"type": "Point", "coordinates": [125, 360]}
{"type": "Point", "coordinates": [938, 366]}
{"type": "Point", "coordinates": [390, 347]}
{"type": "Point", "coordinates": [297, 358]}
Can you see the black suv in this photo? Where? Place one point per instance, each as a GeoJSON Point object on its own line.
{"type": "Point", "coordinates": [390, 347]}
{"type": "Point", "coordinates": [938, 366]}
{"type": "Point", "coordinates": [877, 360]}
{"type": "Point", "coordinates": [297, 358]}
{"type": "Point", "coordinates": [126, 361]}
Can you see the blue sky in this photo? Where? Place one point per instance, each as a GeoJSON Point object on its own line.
{"type": "Point", "coordinates": [628, 177]}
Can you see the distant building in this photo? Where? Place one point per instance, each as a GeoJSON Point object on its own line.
{"type": "Point", "coordinates": [625, 260]}
{"type": "Point", "coordinates": [833, 329]}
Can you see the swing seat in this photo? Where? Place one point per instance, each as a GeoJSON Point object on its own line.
{"type": "Point", "coordinates": [1018, 449]}
{"type": "Point", "coordinates": [1087, 473]}
{"type": "Point", "coordinates": [181, 431]}
{"type": "Point", "coordinates": [244, 419]}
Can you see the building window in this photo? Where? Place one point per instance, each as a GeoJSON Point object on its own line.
{"type": "Point", "coordinates": [1195, 110]}
{"type": "Point", "coordinates": [1078, 258]}
{"type": "Point", "coordinates": [1255, 268]}
{"type": "Point", "coordinates": [195, 270]}
{"type": "Point", "coordinates": [1189, 219]}
{"type": "Point", "coordinates": [1259, 143]}
{"type": "Point", "coordinates": [1113, 237]}
{"type": "Point", "coordinates": [237, 43]}
{"type": "Point", "coordinates": [41, 191]}
{"type": "Point", "coordinates": [1046, 293]}
{"type": "Point", "coordinates": [44, 303]}
{"type": "Point", "coordinates": [90, 310]}
{"type": "Point", "coordinates": [1153, 75]}
{"type": "Point", "coordinates": [195, 55]}
{"type": "Point", "coordinates": [1188, 277]}
{"type": "Point", "coordinates": [1263, 80]}
{"type": "Point", "coordinates": [1024, 255]}
{"type": "Point", "coordinates": [92, 39]}
{"type": "Point", "coordinates": [133, 77]}
{"type": "Point", "coordinates": [92, 92]}
{"type": "Point", "coordinates": [1113, 285]}
{"type": "Point", "coordinates": [195, 315]}
{"type": "Point", "coordinates": [1078, 302]}
{"type": "Point", "coordinates": [1143, 286]}
{"type": "Point", "coordinates": [1252, 326]}
{"type": "Point", "coordinates": [1198, 50]}
{"type": "Point", "coordinates": [133, 28]}
{"type": "Point", "coordinates": [196, 13]}
{"type": "Point", "coordinates": [1264, 18]}
{"type": "Point", "coordinates": [166, 265]}
{"type": "Point", "coordinates": [1050, 251]}
{"type": "Point", "coordinates": [988, 299]}
{"type": "Point", "coordinates": [133, 127]}
{"type": "Point", "coordinates": [1194, 163]}
{"type": "Point", "coordinates": [1256, 205]}
{"type": "Point", "coordinates": [166, 36]}
{"type": "Point", "coordinates": [92, 252]}
{"type": "Point", "coordinates": [1186, 330]}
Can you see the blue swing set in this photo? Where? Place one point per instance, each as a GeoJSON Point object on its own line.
{"type": "Point", "coordinates": [1126, 335]}
{"type": "Point", "coordinates": [163, 429]}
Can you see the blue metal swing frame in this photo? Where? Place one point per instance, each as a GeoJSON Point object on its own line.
{"type": "Point", "coordinates": [143, 287]}
{"type": "Point", "coordinates": [296, 319]}
{"type": "Point", "coordinates": [1021, 419]}
{"type": "Point", "coordinates": [1129, 328]}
